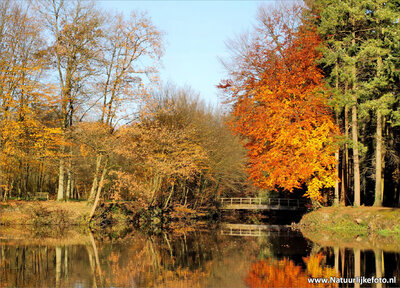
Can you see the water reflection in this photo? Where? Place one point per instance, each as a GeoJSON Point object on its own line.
{"type": "Point", "coordinates": [230, 256]}
{"type": "Point", "coordinates": [285, 273]}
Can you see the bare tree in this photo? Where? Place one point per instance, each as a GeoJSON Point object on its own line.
{"type": "Point", "coordinates": [75, 29]}
{"type": "Point", "coordinates": [126, 46]}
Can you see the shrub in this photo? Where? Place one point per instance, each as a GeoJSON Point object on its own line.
{"type": "Point", "coordinates": [42, 216]}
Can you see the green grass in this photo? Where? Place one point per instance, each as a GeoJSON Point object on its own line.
{"type": "Point", "coordinates": [355, 221]}
{"type": "Point", "coordinates": [390, 232]}
{"type": "Point", "coordinates": [367, 227]}
{"type": "Point", "coordinates": [347, 227]}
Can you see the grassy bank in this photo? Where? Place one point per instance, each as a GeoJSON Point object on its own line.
{"type": "Point", "coordinates": [115, 216]}
{"type": "Point", "coordinates": [364, 227]}
{"type": "Point", "coordinates": [44, 213]}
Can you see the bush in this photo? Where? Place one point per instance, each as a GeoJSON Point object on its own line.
{"type": "Point", "coordinates": [42, 216]}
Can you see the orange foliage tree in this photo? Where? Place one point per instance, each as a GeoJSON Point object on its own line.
{"type": "Point", "coordinates": [29, 138]}
{"type": "Point", "coordinates": [160, 157]}
{"type": "Point", "coordinates": [279, 104]}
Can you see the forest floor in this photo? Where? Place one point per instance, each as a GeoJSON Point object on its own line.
{"type": "Point", "coordinates": [363, 227]}
{"type": "Point", "coordinates": [44, 213]}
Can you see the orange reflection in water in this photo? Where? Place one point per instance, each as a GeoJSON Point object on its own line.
{"type": "Point", "coordinates": [285, 273]}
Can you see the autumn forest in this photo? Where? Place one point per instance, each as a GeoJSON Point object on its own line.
{"type": "Point", "coordinates": [315, 94]}
{"type": "Point", "coordinates": [112, 176]}
{"type": "Point", "coordinates": [311, 108]}
{"type": "Point", "coordinates": [83, 113]}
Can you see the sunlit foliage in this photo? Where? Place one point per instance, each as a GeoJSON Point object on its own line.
{"type": "Point", "coordinates": [177, 152]}
{"type": "Point", "coordinates": [279, 104]}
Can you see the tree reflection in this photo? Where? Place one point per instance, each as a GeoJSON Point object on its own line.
{"type": "Point", "coordinates": [285, 273]}
{"type": "Point", "coordinates": [201, 258]}
{"type": "Point", "coordinates": [160, 261]}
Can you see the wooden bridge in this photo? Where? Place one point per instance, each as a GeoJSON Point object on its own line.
{"type": "Point", "coordinates": [251, 230]}
{"type": "Point", "coordinates": [262, 204]}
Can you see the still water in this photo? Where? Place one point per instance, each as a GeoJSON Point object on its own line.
{"type": "Point", "coordinates": [231, 255]}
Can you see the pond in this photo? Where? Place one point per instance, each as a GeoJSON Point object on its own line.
{"type": "Point", "coordinates": [230, 255]}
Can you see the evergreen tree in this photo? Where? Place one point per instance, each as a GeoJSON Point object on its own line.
{"type": "Point", "coordinates": [361, 48]}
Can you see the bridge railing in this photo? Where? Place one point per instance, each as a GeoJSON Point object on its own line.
{"type": "Point", "coordinates": [259, 201]}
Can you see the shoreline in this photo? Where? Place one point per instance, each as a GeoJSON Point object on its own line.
{"type": "Point", "coordinates": [353, 227]}
{"type": "Point", "coordinates": [110, 215]}
{"type": "Point", "coordinates": [362, 227]}
{"type": "Point", "coordinates": [44, 213]}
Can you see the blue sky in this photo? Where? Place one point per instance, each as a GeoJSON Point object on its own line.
{"type": "Point", "coordinates": [195, 36]}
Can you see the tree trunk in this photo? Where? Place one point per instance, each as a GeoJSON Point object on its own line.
{"type": "Point", "coordinates": [92, 265]}
{"type": "Point", "coordinates": [94, 184]}
{"type": "Point", "coordinates": [78, 195]}
{"type": "Point", "coordinates": [68, 190]}
{"type": "Point", "coordinates": [336, 199]}
{"type": "Point", "coordinates": [69, 180]}
{"type": "Point", "coordinates": [101, 183]}
{"type": "Point", "coordinates": [345, 157]}
{"type": "Point", "coordinates": [378, 162]}
{"type": "Point", "coordinates": [343, 256]}
{"type": "Point", "coordinates": [169, 196]}
{"type": "Point", "coordinates": [60, 193]}
{"type": "Point", "coordinates": [66, 262]}
{"type": "Point", "coordinates": [356, 161]}
{"type": "Point", "coordinates": [357, 265]}
{"type": "Point", "coordinates": [378, 266]}
{"type": "Point", "coordinates": [336, 265]}
{"type": "Point", "coordinates": [41, 177]}
{"type": "Point", "coordinates": [73, 187]}
{"type": "Point", "coordinates": [378, 166]}
{"type": "Point", "coordinates": [96, 255]}
{"type": "Point", "coordinates": [26, 182]}
{"type": "Point", "coordinates": [58, 266]}
{"type": "Point", "coordinates": [156, 184]}
{"type": "Point", "coordinates": [354, 126]}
